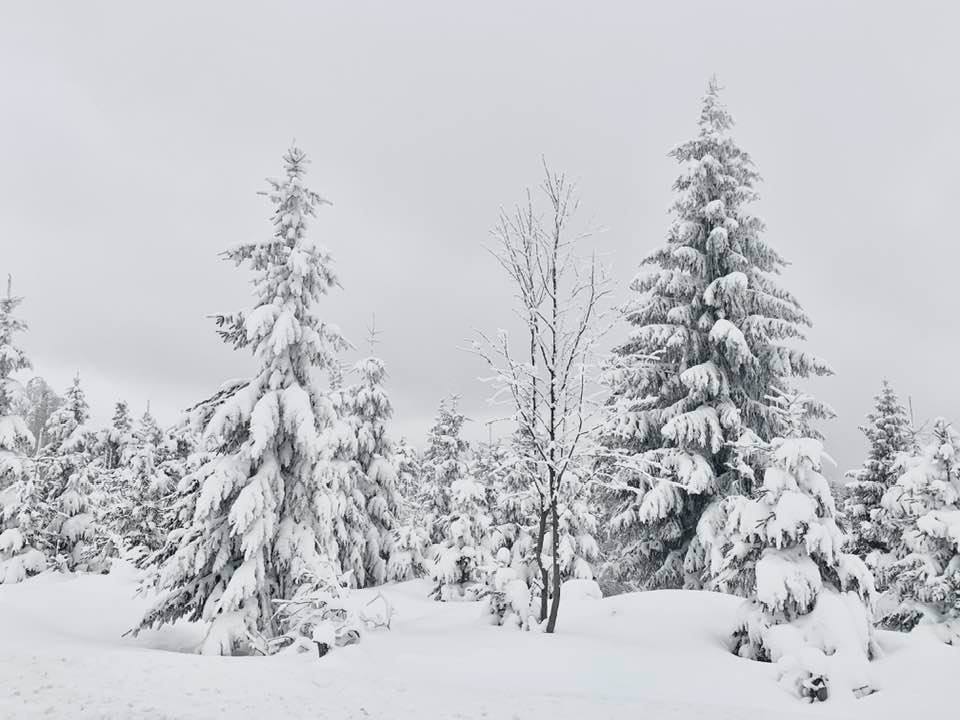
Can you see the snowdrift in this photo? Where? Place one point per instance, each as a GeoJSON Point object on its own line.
{"type": "Point", "coordinates": [654, 655]}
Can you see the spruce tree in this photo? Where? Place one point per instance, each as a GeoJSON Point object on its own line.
{"type": "Point", "coordinates": [409, 470]}
{"type": "Point", "coordinates": [712, 337]}
{"type": "Point", "coordinates": [368, 409]}
{"type": "Point", "coordinates": [407, 549]}
{"type": "Point", "coordinates": [140, 520]}
{"type": "Point", "coordinates": [445, 460]}
{"type": "Point", "coordinates": [118, 437]}
{"type": "Point", "coordinates": [262, 518]}
{"type": "Point", "coordinates": [21, 516]}
{"type": "Point", "coordinates": [923, 575]}
{"type": "Point", "coordinates": [889, 433]}
{"type": "Point", "coordinates": [111, 475]}
{"type": "Point", "coordinates": [465, 554]}
{"type": "Point", "coordinates": [66, 469]}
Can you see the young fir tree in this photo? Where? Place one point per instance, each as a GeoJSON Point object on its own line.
{"type": "Point", "coordinates": [66, 469]}
{"type": "Point", "coordinates": [262, 520]}
{"type": "Point", "coordinates": [407, 543]}
{"type": "Point", "coordinates": [140, 523]}
{"type": "Point", "coordinates": [924, 504]}
{"type": "Point", "coordinates": [889, 433]}
{"type": "Point", "coordinates": [111, 476]}
{"type": "Point", "coordinates": [712, 337]}
{"type": "Point", "coordinates": [810, 605]}
{"type": "Point", "coordinates": [445, 461]}
{"type": "Point", "coordinates": [21, 506]}
{"type": "Point", "coordinates": [368, 410]}
{"type": "Point", "coordinates": [118, 437]}
{"type": "Point", "coordinates": [577, 547]}
{"type": "Point", "coordinates": [465, 554]}
{"type": "Point", "coordinates": [409, 471]}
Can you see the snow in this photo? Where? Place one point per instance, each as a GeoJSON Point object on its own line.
{"type": "Point", "coordinates": [657, 654]}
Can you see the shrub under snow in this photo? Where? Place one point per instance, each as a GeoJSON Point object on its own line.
{"type": "Point", "coordinates": [810, 604]}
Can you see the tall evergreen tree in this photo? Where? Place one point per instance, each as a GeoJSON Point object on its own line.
{"type": "Point", "coordinates": [262, 521]}
{"type": "Point", "coordinates": [66, 470]}
{"type": "Point", "coordinates": [20, 514]}
{"type": "Point", "coordinates": [712, 338]}
{"type": "Point", "coordinates": [889, 433]}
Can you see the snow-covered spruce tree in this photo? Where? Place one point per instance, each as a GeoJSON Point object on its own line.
{"type": "Point", "coordinates": [924, 504]}
{"type": "Point", "coordinates": [543, 377]}
{"type": "Point", "coordinates": [65, 466]}
{"type": "Point", "coordinates": [577, 548]}
{"type": "Point", "coordinates": [262, 520]}
{"type": "Point", "coordinates": [118, 437]}
{"type": "Point", "coordinates": [407, 549]}
{"type": "Point", "coordinates": [111, 476]}
{"type": "Point", "coordinates": [810, 605]}
{"type": "Point", "coordinates": [139, 522]}
{"type": "Point", "coordinates": [889, 433]}
{"type": "Point", "coordinates": [445, 461]}
{"type": "Point", "coordinates": [712, 337]}
{"type": "Point", "coordinates": [367, 411]}
{"type": "Point", "coordinates": [465, 555]}
{"type": "Point", "coordinates": [21, 514]}
{"type": "Point", "coordinates": [409, 471]}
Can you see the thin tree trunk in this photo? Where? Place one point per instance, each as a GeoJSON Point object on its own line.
{"type": "Point", "coordinates": [555, 595]}
{"type": "Point", "coordinates": [544, 575]}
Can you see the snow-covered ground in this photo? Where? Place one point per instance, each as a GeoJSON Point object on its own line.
{"type": "Point", "coordinates": [649, 655]}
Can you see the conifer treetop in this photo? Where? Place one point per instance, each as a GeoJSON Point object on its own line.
{"type": "Point", "coordinates": [12, 357]}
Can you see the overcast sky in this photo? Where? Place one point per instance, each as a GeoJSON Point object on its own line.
{"type": "Point", "coordinates": [134, 137]}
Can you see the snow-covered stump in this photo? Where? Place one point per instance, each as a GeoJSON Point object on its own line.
{"type": "Point", "coordinates": [810, 604]}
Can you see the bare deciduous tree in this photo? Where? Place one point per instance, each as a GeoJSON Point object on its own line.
{"type": "Point", "coordinates": [560, 296]}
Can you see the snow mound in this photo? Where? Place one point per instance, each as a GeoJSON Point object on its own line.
{"type": "Point", "coordinates": [662, 654]}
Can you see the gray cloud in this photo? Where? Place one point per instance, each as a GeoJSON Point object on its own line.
{"type": "Point", "coordinates": [134, 139]}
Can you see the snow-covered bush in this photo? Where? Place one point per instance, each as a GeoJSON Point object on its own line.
{"type": "Point", "coordinates": [407, 553]}
{"type": "Point", "coordinates": [508, 597]}
{"type": "Point", "coordinates": [809, 605]}
{"type": "Point", "coordinates": [923, 578]}
{"type": "Point", "coordinates": [319, 616]}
